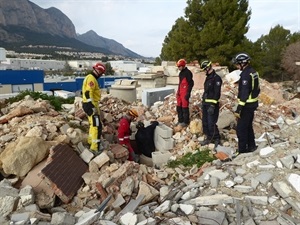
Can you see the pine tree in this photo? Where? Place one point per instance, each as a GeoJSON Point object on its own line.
{"type": "Point", "coordinates": [272, 46]}
{"type": "Point", "coordinates": [212, 29]}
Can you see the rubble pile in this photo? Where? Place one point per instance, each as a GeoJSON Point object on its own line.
{"type": "Point", "coordinates": [261, 187]}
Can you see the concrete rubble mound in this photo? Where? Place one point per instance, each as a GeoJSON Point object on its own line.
{"type": "Point", "coordinates": [50, 177]}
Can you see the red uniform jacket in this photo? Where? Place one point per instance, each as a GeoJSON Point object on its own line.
{"type": "Point", "coordinates": [124, 131]}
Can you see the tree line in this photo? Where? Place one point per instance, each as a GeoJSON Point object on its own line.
{"type": "Point", "coordinates": [215, 30]}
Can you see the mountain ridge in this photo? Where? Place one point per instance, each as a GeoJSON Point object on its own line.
{"type": "Point", "coordinates": [92, 38]}
{"type": "Point", "coordinates": [22, 23]}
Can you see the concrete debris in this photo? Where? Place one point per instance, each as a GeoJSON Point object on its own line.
{"type": "Point", "coordinates": [261, 187]}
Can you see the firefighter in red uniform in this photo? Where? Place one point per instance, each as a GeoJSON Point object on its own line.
{"type": "Point", "coordinates": [248, 91]}
{"type": "Point", "coordinates": [183, 94]}
{"type": "Point", "coordinates": [124, 132]}
{"type": "Point", "coordinates": [91, 95]}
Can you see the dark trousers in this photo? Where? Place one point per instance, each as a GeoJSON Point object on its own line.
{"type": "Point", "coordinates": [244, 130]}
{"type": "Point", "coordinates": [183, 114]}
{"type": "Point", "coordinates": [210, 128]}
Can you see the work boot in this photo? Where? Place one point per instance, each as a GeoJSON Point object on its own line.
{"type": "Point", "coordinates": [137, 158]}
{"type": "Point", "coordinates": [217, 142]}
{"type": "Point", "coordinates": [252, 149]}
{"type": "Point", "coordinates": [100, 147]}
{"type": "Point", "coordinates": [99, 151]}
{"type": "Point", "coordinates": [205, 142]}
{"type": "Point", "coordinates": [179, 114]}
{"type": "Point", "coordinates": [234, 155]}
{"type": "Point", "coordinates": [183, 124]}
{"type": "Point", "coordinates": [186, 115]}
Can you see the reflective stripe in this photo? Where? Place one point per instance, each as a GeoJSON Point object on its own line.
{"type": "Point", "coordinates": [249, 100]}
{"type": "Point", "coordinates": [241, 103]}
{"type": "Point", "coordinates": [121, 139]}
{"type": "Point", "coordinates": [96, 141]}
{"type": "Point", "coordinates": [96, 121]}
{"type": "Point", "coordinates": [252, 100]}
{"type": "Point", "coordinates": [211, 100]}
{"type": "Point", "coordinates": [253, 77]}
{"type": "Point", "coordinates": [126, 137]}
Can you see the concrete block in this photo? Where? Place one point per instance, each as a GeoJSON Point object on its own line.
{"type": "Point", "coordinates": [150, 96]}
{"type": "Point", "coordinates": [88, 218]}
{"type": "Point", "coordinates": [164, 131]}
{"type": "Point", "coordinates": [26, 195]}
{"type": "Point", "coordinates": [7, 205]}
{"type": "Point", "coordinates": [160, 158]}
{"type": "Point", "coordinates": [172, 80]}
{"type": "Point", "coordinates": [32, 208]}
{"type": "Point", "coordinates": [165, 143]}
{"type": "Point", "coordinates": [159, 147]}
{"type": "Point", "coordinates": [119, 201]}
{"type": "Point", "coordinates": [101, 159]}
{"type": "Point", "coordinates": [121, 92]}
{"type": "Point", "coordinates": [20, 217]}
{"type": "Point", "coordinates": [80, 147]}
{"type": "Point", "coordinates": [146, 160]}
{"type": "Point", "coordinates": [62, 218]}
{"type": "Point", "coordinates": [63, 129]}
{"type": "Point", "coordinates": [86, 155]}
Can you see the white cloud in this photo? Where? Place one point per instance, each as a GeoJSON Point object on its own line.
{"type": "Point", "coordinates": [267, 14]}
{"type": "Point", "coordinates": [141, 25]}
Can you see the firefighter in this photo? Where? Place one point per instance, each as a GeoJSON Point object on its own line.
{"type": "Point", "coordinates": [183, 94]}
{"type": "Point", "coordinates": [124, 132]}
{"type": "Point", "coordinates": [91, 95]}
{"type": "Point", "coordinates": [210, 104]}
{"type": "Point", "coordinates": [248, 91]}
{"type": "Point", "coordinates": [144, 138]}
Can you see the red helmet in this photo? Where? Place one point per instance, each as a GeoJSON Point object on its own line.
{"type": "Point", "coordinates": [181, 62]}
{"type": "Point", "coordinates": [99, 67]}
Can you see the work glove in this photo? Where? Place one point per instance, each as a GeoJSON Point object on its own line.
{"type": "Point", "coordinates": [211, 110]}
{"type": "Point", "coordinates": [88, 108]}
{"type": "Point", "coordinates": [187, 97]}
{"type": "Point", "coordinates": [238, 111]}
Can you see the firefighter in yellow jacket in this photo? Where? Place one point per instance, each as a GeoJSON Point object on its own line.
{"type": "Point", "coordinates": [91, 95]}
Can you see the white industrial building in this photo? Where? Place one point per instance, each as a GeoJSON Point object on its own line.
{"type": "Point", "coordinates": [33, 64]}
{"type": "Point", "coordinates": [122, 67]}
{"type": "Point", "coordinates": [80, 65]}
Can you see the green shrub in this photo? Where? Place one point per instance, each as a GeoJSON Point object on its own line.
{"type": "Point", "coordinates": [196, 158]}
{"type": "Point", "coordinates": [55, 101]}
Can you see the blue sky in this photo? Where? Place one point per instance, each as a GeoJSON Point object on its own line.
{"type": "Point", "coordinates": [141, 25]}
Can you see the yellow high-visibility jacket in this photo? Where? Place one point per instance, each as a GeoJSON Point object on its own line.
{"type": "Point", "coordinates": [90, 85]}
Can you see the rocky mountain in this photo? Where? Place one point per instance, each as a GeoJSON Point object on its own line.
{"type": "Point", "coordinates": [92, 38]}
{"type": "Point", "coordinates": [23, 23]}
{"type": "Point", "coordinates": [23, 13]}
